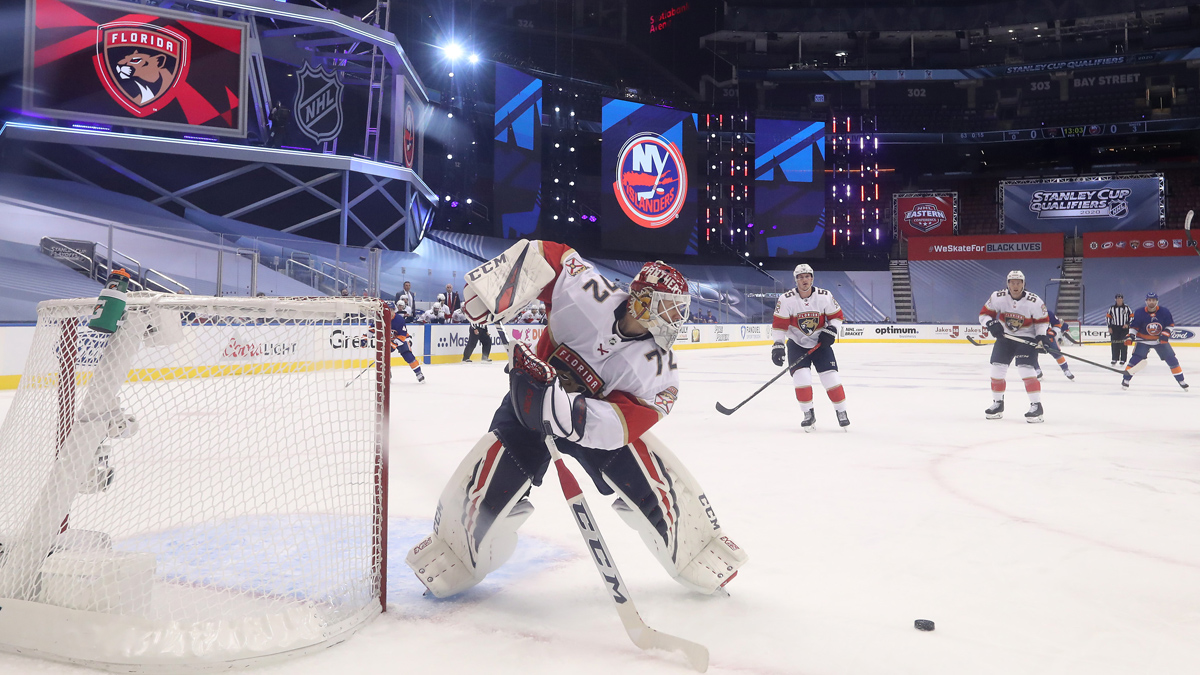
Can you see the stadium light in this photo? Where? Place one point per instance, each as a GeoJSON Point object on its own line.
{"type": "Point", "coordinates": [473, 59]}
{"type": "Point", "coordinates": [453, 51]}
{"type": "Point", "coordinates": [468, 200]}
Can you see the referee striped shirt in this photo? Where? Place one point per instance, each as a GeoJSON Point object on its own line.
{"type": "Point", "coordinates": [1119, 315]}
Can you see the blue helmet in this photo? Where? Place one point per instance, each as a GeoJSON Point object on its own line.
{"type": "Point", "coordinates": [1152, 295]}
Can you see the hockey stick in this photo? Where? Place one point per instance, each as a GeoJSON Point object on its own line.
{"type": "Point", "coordinates": [729, 411]}
{"type": "Point", "coordinates": [1187, 227]}
{"type": "Point", "coordinates": [360, 374]}
{"type": "Point", "coordinates": [1035, 345]}
{"type": "Point", "coordinates": [977, 344]}
{"type": "Point", "coordinates": [642, 635]}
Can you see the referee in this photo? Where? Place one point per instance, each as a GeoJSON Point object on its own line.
{"type": "Point", "coordinates": [1119, 317]}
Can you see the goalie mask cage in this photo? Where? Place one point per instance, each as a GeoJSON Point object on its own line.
{"type": "Point", "coordinates": [204, 488]}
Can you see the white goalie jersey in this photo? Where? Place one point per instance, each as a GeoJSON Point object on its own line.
{"type": "Point", "coordinates": [1025, 316]}
{"type": "Point", "coordinates": [630, 382]}
{"type": "Point", "coordinates": [800, 319]}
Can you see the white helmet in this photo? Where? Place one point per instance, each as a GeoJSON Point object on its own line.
{"type": "Point", "coordinates": [802, 268]}
{"type": "Point", "coordinates": [1016, 274]}
{"type": "Point", "coordinates": [441, 297]}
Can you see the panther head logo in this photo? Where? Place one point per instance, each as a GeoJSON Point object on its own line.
{"type": "Point", "coordinates": [141, 65]}
{"type": "Point", "coordinates": [147, 73]}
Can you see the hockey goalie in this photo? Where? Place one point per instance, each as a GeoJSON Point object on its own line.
{"type": "Point", "coordinates": [603, 373]}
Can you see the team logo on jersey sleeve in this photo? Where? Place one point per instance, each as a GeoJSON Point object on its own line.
{"type": "Point", "coordinates": [141, 65]}
{"type": "Point", "coordinates": [651, 180]}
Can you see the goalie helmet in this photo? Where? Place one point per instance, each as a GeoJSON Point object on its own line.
{"type": "Point", "coordinates": [660, 302]}
{"type": "Point", "coordinates": [802, 268]}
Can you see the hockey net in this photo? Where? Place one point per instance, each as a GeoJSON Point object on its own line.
{"type": "Point", "coordinates": [205, 486]}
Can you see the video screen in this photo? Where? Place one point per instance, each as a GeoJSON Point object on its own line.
{"type": "Point", "coordinates": [136, 66]}
{"type": "Point", "coordinates": [789, 188]}
{"type": "Point", "coordinates": [517, 172]}
{"type": "Point", "coordinates": [648, 190]}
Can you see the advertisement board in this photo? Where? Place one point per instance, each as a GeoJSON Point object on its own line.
{"type": "Point", "coordinates": [1083, 204]}
{"type": "Point", "coordinates": [986, 246]}
{"type": "Point", "coordinates": [789, 188]}
{"type": "Point", "coordinates": [648, 194]}
{"type": "Point", "coordinates": [135, 65]}
{"type": "Point", "coordinates": [925, 214]}
{"type": "Point", "coordinates": [517, 143]}
{"type": "Point", "coordinates": [1138, 244]}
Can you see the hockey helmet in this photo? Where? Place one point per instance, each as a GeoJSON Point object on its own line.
{"type": "Point", "coordinates": [802, 268]}
{"type": "Point", "coordinates": [441, 297]}
{"type": "Point", "coordinates": [659, 298]}
{"type": "Point", "coordinates": [1016, 274]}
{"type": "Point", "coordinates": [1152, 296]}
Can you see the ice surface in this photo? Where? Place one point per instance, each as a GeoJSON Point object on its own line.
{"type": "Point", "coordinates": [1068, 547]}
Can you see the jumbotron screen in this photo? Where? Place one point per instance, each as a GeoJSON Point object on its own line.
{"type": "Point", "coordinates": [517, 134]}
{"type": "Point", "coordinates": [648, 195]}
{"type": "Point", "coordinates": [789, 188]}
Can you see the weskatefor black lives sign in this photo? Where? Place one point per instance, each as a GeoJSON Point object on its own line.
{"type": "Point", "coordinates": [134, 65]}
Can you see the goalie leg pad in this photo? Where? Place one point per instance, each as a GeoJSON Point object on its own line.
{"type": "Point", "coordinates": [660, 500]}
{"type": "Point", "coordinates": [475, 527]}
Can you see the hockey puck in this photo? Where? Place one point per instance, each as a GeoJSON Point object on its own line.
{"type": "Point", "coordinates": [923, 624]}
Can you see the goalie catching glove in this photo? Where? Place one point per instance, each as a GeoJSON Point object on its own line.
{"type": "Point", "coordinates": [497, 290]}
{"type": "Point", "coordinates": [539, 400]}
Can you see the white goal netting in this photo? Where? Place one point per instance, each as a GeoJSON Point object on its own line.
{"type": "Point", "coordinates": [202, 488]}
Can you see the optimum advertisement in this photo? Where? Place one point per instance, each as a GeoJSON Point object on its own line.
{"type": "Point", "coordinates": [135, 65]}
{"type": "Point", "coordinates": [789, 188]}
{"type": "Point", "coordinates": [1083, 205]}
{"type": "Point", "coordinates": [648, 194]}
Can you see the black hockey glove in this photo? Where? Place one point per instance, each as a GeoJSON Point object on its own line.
{"type": "Point", "coordinates": [827, 336]}
{"type": "Point", "coordinates": [777, 353]}
{"type": "Point", "coordinates": [1047, 342]}
{"type": "Point", "coordinates": [539, 400]}
{"type": "Point", "coordinates": [996, 328]}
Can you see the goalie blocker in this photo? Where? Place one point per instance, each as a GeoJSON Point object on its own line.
{"type": "Point", "coordinates": [597, 386]}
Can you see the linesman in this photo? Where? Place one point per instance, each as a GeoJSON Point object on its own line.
{"type": "Point", "coordinates": [1119, 317]}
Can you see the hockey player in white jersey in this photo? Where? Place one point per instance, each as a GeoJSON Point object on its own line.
{"type": "Point", "coordinates": [807, 319]}
{"type": "Point", "coordinates": [603, 373]}
{"type": "Point", "coordinates": [438, 312]}
{"type": "Point", "coordinates": [1015, 311]}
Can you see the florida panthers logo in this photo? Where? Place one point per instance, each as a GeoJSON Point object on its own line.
{"type": "Point", "coordinates": [410, 136]}
{"type": "Point", "coordinates": [141, 65]}
{"type": "Point", "coordinates": [1014, 321]}
{"type": "Point", "coordinates": [808, 323]}
{"type": "Point", "coordinates": [651, 180]}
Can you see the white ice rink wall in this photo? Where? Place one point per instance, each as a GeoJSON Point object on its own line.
{"type": "Point", "coordinates": [445, 343]}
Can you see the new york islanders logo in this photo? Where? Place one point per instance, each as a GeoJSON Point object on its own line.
{"type": "Point", "coordinates": [141, 65]}
{"type": "Point", "coordinates": [410, 136]}
{"type": "Point", "coordinates": [651, 180]}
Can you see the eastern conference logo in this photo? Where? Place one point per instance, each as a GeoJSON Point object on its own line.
{"type": "Point", "coordinates": [925, 217]}
{"type": "Point", "coordinates": [1101, 203]}
{"type": "Point", "coordinates": [141, 65]}
{"type": "Point", "coordinates": [651, 180]}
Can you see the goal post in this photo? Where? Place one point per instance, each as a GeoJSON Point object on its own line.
{"type": "Point", "coordinates": [204, 488]}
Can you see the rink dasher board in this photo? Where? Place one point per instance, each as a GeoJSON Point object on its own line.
{"type": "Point", "coordinates": [444, 343]}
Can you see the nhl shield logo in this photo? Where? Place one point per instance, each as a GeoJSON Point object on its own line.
{"type": "Point", "coordinates": [410, 136]}
{"type": "Point", "coordinates": [651, 180]}
{"type": "Point", "coordinates": [318, 107]}
{"type": "Point", "coordinates": [141, 65]}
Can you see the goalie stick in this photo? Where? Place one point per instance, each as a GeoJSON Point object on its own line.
{"type": "Point", "coordinates": [1023, 341]}
{"type": "Point", "coordinates": [642, 635]}
{"type": "Point", "coordinates": [729, 411]}
{"type": "Point", "coordinates": [1187, 227]}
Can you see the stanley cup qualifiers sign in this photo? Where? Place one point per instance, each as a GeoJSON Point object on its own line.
{"type": "Point", "coordinates": [923, 214]}
{"type": "Point", "coordinates": [135, 65]}
{"type": "Point", "coordinates": [1083, 204]}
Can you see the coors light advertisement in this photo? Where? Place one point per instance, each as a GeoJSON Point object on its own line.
{"type": "Point", "coordinates": [135, 65]}
{"type": "Point", "coordinates": [925, 214]}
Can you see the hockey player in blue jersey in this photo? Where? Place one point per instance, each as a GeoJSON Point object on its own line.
{"type": "Point", "coordinates": [402, 343]}
{"type": "Point", "coordinates": [1058, 329]}
{"type": "Point", "coordinates": [1151, 329]}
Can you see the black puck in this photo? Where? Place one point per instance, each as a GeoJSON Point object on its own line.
{"type": "Point", "coordinates": [923, 624]}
